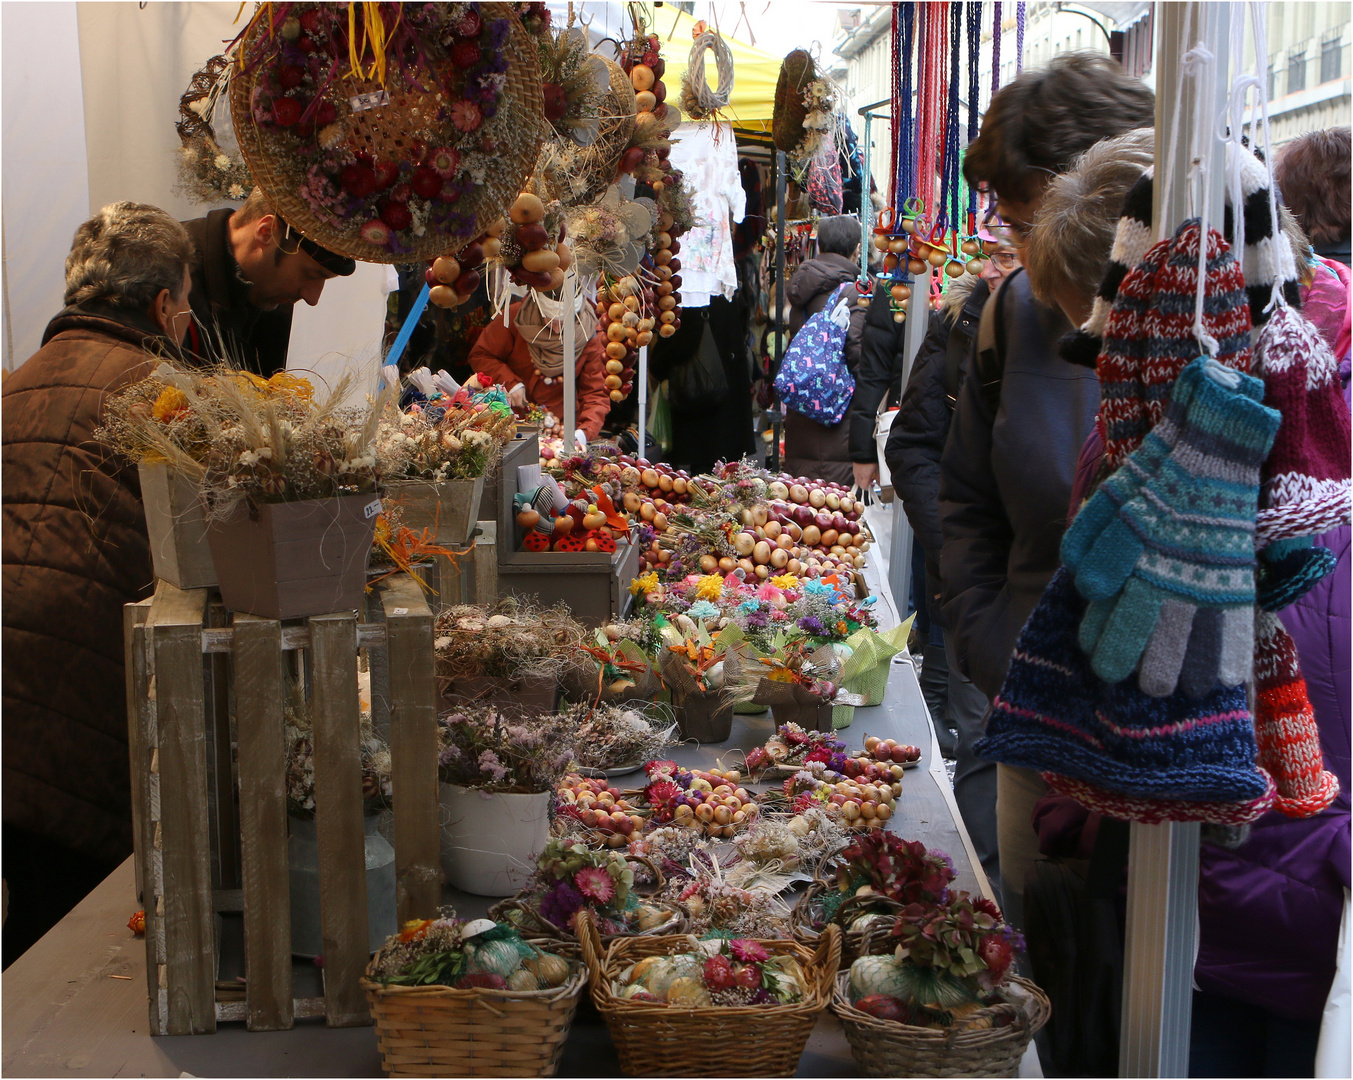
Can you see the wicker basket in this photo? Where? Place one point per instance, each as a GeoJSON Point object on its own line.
{"type": "Point", "coordinates": [412, 111]}
{"type": "Point", "coordinates": [653, 1039]}
{"type": "Point", "coordinates": [442, 1031]}
{"type": "Point", "coordinates": [601, 158]}
{"type": "Point", "coordinates": [854, 943]}
{"type": "Point", "coordinates": [887, 1048]}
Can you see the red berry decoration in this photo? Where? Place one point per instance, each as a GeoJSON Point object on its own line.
{"type": "Point", "coordinates": [396, 215]}
{"type": "Point", "coordinates": [286, 111]}
{"type": "Point", "coordinates": [358, 180]}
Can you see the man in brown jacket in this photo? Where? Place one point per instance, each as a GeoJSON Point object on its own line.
{"type": "Point", "coordinates": [74, 552]}
{"type": "Point", "coordinates": [249, 271]}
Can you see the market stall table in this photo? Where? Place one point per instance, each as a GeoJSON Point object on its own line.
{"type": "Point", "coordinates": [75, 1004]}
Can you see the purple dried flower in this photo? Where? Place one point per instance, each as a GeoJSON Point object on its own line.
{"type": "Point", "coordinates": [561, 903]}
{"type": "Point", "coordinates": [811, 624]}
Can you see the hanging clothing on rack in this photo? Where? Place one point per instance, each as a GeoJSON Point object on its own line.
{"type": "Point", "coordinates": [707, 156]}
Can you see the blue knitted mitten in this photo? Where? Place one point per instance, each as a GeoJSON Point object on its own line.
{"type": "Point", "coordinates": [1173, 574]}
{"type": "Point", "coordinates": [1289, 569]}
{"type": "Point", "coordinates": [1102, 508]}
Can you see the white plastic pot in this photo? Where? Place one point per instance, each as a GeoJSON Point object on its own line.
{"type": "Point", "coordinates": [490, 840]}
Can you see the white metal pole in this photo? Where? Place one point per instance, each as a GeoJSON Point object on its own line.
{"type": "Point", "coordinates": [643, 399]}
{"type": "Point", "coordinates": [1162, 903]}
{"type": "Point", "coordinates": [570, 372]}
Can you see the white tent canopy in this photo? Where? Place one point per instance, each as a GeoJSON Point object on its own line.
{"type": "Point", "coordinates": [90, 98]}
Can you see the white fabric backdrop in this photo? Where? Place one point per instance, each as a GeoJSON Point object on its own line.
{"type": "Point", "coordinates": [90, 97]}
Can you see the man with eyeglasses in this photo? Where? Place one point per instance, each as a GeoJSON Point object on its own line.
{"type": "Point", "coordinates": [250, 269]}
{"type": "Point", "coordinates": [1022, 411]}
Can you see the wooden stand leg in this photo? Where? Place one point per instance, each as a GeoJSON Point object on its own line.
{"type": "Point", "coordinates": [338, 817]}
{"type": "Point", "coordinates": [260, 695]}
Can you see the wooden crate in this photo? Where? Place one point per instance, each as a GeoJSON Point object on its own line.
{"type": "Point", "coordinates": [595, 585]}
{"type": "Point", "coordinates": [210, 830]}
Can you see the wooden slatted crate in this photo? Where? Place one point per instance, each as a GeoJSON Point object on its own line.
{"type": "Point", "coordinates": [201, 680]}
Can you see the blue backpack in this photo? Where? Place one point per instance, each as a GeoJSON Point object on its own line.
{"type": "Point", "coordinates": [813, 378]}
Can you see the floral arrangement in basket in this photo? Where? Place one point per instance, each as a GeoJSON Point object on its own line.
{"type": "Point", "coordinates": [819, 125]}
{"type": "Point", "coordinates": [377, 788]}
{"type": "Point", "coordinates": [238, 436]}
{"type": "Point", "coordinates": [698, 663]}
{"type": "Point", "coordinates": [818, 610]}
{"type": "Point", "coordinates": [480, 746]}
{"type": "Point", "coordinates": [445, 431]}
{"type": "Point", "coordinates": [572, 877]}
{"type": "Point", "coordinates": [723, 972]}
{"type": "Point", "coordinates": [614, 736]}
{"type": "Point", "coordinates": [950, 964]}
{"type": "Point", "coordinates": [444, 67]}
{"type": "Point", "coordinates": [476, 955]}
{"type": "Point", "coordinates": [876, 875]}
{"type": "Point", "coordinates": [623, 670]}
{"type": "Point", "coordinates": [513, 640]}
{"type": "Point", "coordinates": [795, 675]}
{"type": "Point", "coordinates": [727, 895]}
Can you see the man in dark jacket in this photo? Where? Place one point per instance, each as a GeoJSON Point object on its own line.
{"type": "Point", "coordinates": [818, 451]}
{"type": "Point", "coordinates": [913, 451]}
{"type": "Point", "coordinates": [878, 376]}
{"type": "Point", "coordinates": [1023, 413]}
{"type": "Point", "coordinates": [250, 269]}
{"type": "Point", "coordinates": [75, 551]}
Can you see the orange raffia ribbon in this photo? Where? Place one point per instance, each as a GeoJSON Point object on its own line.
{"type": "Point", "coordinates": [615, 660]}
{"type": "Point", "coordinates": [408, 546]}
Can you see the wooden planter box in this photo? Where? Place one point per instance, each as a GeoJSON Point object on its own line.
{"type": "Point", "coordinates": [447, 510]}
{"type": "Point", "coordinates": [535, 695]}
{"type": "Point", "coordinates": [211, 824]}
{"type": "Point", "coordinates": [595, 585]}
{"type": "Point", "coordinates": [177, 528]}
{"type": "Point", "coordinates": [292, 560]}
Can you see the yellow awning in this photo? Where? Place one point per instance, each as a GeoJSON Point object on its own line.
{"type": "Point", "coordinates": [754, 72]}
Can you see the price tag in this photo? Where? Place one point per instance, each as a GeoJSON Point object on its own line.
{"type": "Point", "coordinates": [372, 509]}
{"type": "Point", "coordinates": [399, 611]}
{"type": "Point", "coordinates": [373, 100]}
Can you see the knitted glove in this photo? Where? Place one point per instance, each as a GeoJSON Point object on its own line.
{"type": "Point", "coordinates": [1187, 536]}
{"type": "Point", "coordinates": [1288, 569]}
{"type": "Point", "coordinates": [1284, 725]}
{"type": "Point", "coordinates": [1102, 508]}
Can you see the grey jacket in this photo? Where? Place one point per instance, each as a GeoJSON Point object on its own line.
{"type": "Point", "coordinates": [1006, 476]}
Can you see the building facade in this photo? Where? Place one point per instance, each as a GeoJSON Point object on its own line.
{"type": "Point", "coordinates": [1308, 69]}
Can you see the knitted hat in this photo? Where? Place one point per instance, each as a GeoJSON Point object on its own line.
{"type": "Point", "coordinates": [1284, 725]}
{"type": "Point", "coordinates": [1149, 335]}
{"type": "Point", "coordinates": [1268, 260]}
{"type": "Point", "coordinates": [1155, 811]}
{"type": "Point", "coordinates": [1305, 482]}
{"type": "Point", "coordinates": [1054, 715]}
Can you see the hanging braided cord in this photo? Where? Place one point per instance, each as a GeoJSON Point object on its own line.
{"type": "Point", "coordinates": [904, 177]}
{"type": "Point", "coordinates": [1019, 37]}
{"type": "Point", "coordinates": [974, 60]}
{"type": "Point", "coordinates": [898, 109]}
{"type": "Point", "coordinates": [929, 66]}
{"type": "Point", "coordinates": [951, 217]}
{"type": "Point", "coordinates": [996, 49]}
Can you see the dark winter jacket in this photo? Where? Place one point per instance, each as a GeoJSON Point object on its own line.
{"type": "Point", "coordinates": [1005, 478]}
{"type": "Point", "coordinates": [814, 450]}
{"type": "Point", "coordinates": [253, 338]}
{"type": "Point", "coordinates": [878, 375]}
{"type": "Point", "coordinates": [75, 551]}
{"type": "Point", "coordinates": [916, 440]}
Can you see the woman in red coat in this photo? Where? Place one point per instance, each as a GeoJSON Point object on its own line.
{"type": "Point", "coordinates": [527, 357]}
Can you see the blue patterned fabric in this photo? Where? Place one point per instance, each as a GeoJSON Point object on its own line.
{"type": "Point", "coordinates": [813, 378]}
{"type": "Point", "coordinates": [1054, 715]}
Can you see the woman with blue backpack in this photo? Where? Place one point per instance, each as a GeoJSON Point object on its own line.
{"type": "Point", "coordinates": [816, 376]}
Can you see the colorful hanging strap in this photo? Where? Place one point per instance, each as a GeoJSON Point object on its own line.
{"type": "Point", "coordinates": [1019, 37]}
{"type": "Point", "coordinates": [996, 49]}
{"type": "Point", "coordinates": [974, 58]}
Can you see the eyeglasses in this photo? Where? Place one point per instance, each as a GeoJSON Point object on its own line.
{"type": "Point", "coordinates": [1014, 233]}
{"type": "Point", "coordinates": [1005, 260]}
